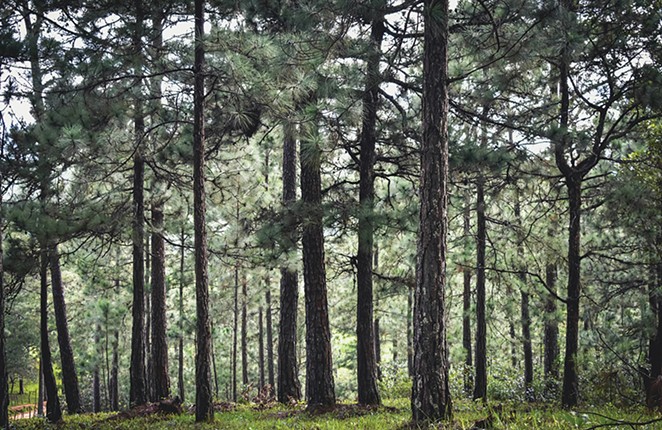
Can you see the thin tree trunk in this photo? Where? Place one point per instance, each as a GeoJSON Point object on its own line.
{"type": "Point", "coordinates": [524, 308]}
{"type": "Point", "coordinates": [235, 333]}
{"type": "Point", "coordinates": [113, 385]}
{"type": "Point", "coordinates": [204, 410]}
{"type": "Point", "coordinates": [466, 304]}
{"type": "Point", "coordinates": [551, 334]}
{"type": "Point", "coordinates": [213, 361]}
{"type": "Point", "coordinates": [261, 346]}
{"type": "Point", "coordinates": [244, 332]}
{"type": "Point", "coordinates": [270, 343]}
{"type": "Point", "coordinates": [431, 399]}
{"type": "Point", "coordinates": [96, 382]}
{"type": "Point", "coordinates": [4, 394]}
{"type": "Point", "coordinates": [378, 348]}
{"type": "Point", "coordinates": [160, 376]}
{"type": "Point", "coordinates": [480, 384]}
{"type": "Point", "coordinates": [149, 362]}
{"type": "Point", "coordinates": [69, 376]}
{"type": "Point", "coordinates": [180, 364]}
{"type": "Point", "coordinates": [410, 331]}
{"type": "Point", "coordinates": [655, 344]}
{"type": "Point", "coordinates": [367, 363]}
{"type": "Point", "coordinates": [53, 409]}
{"type": "Point", "coordinates": [319, 368]}
{"type": "Point", "coordinates": [288, 387]}
{"type": "Point", "coordinates": [138, 392]}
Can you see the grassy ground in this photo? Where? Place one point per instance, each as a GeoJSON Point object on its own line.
{"type": "Point", "coordinates": [395, 414]}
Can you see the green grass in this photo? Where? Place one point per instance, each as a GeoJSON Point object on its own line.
{"type": "Point", "coordinates": [396, 415]}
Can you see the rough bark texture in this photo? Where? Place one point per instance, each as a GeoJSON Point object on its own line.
{"type": "Point", "coordinates": [378, 348]}
{"type": "Point", "coordinates": [261, 347]}
{"type": "Point", "coordinates": [480, 383]}
{"type": "Point", "coordinates": [655, 346]}
{"type": "Point", "coordinates": [524, 305]}
{"type": "Point", "coordinates": [244, 332]}
{"type": "Point", "coordinates": [270, 343]}
{"type": "Point", "coordinates": [551, 333]}
{"type": "Point", "coordinates": [147, 334]}
{"type": "Point", "coordinates": [319, 368]}
{"type": "Point", "coordinates": [430, 390]}
{"type": "Point", "coordinates": [204, 410]}
{"type": "Point", "coordinates": [69, 376]}
{"type": "Point", "coordinates": [466, 305]}
{"type": "Point", "coordinates": [138, 391]}
{"type": "Point", "coordinates": [53, 409]}
{"type": "Point", "coordinates": [365, 351]}
{"type": "Point", "coordinates": [4, 394]}
{"type": "Point", "coordinates": [235, 334]}
{"type": "Point", "coordinates": [410, 331]}
{"type": "Point", "coordinates": [180, 352]}
{"type": "Point", "coordinates": [288, 385]}
{"type": "Point", "coordinates": [570, 394]}
{"type": "Point", "coordinates": [160, 376]}
{"type": "Point", "coordinates": [96, 380]}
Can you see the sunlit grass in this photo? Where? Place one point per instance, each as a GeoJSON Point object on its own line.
{"type": "Point", "coordinates": [394, 415]}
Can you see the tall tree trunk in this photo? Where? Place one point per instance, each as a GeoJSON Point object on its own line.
{"type": "Point", "coordinates": [235, 333]}
{"type": "Point", "coordinates": [138, 392]}
{"type": "Point", "coordinates": [160, 377]}
{"type": "Point", "coordinates": [4, 393]}
{"type": "Point", "coordinates": [551, 334]}
{"type": "Point", "coordinates": [570, 394]}
{"type": "Point", "coordinates": [378, 348]}
{"type": "Point", "coordinates": [53, 409]}
{"type": "Point", "coordinates": [244, 332]}
{"type": "Point", "coordinates": [213, 361]}
{"type": "Point", "coordinates": [410, 331]}
{"type": "Point", "coordinates": [204, 410]}
{"type": "Point", "coordinates": [466, 304]}
{"type": "Point", "coordinates": [365, 350]}
{"type": "Point", "coordinates": [288, 384]}
{"type": "Point", "coordinates": [431, 399]}
{"type": "Point", "coordinates": [96, 381]}
{"type": "Point", "coordinates": [524, 304]}
{"type": "Point", "coordinates": [319, 368]}
{"type": "Point", "coordinates": [480, 384]}
{"type": "Point", "coordinates": [180, 361]}
{"type": "Point", "coordinates": [149, 362]}
{"type": "Point", "coordinates": [270, 342]}
{"type": "Point", "coordinates": [261, 346]}
{"type": "Point", "coordinates": [69, 376]}
{"type": "Point", "coordinates": [113, 385]}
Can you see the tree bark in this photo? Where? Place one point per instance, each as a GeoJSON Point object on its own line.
{"type": "Point", "coordinates": [69, 376]}
{"type": "Point", "coordinates": [244, 332]}
{"type": "Point", "coordinates": [466, 305]}
{"type": "Point", "coordinates": [270, 343]}
{"type": "Point", "coordinates": [96, 381]}
{"type": "Point", "coordinates": [261, 346]}
{"type": "Point", "coordinates": [410, 331]}
{"type": "Point", "coordinates": [524, 304]}
{"type": "Point", "coordinates": [551, 333]}
{"type": "Point", "coordinates": [159, 341]}
{"type": "Point", "coordinates": [570, 394]}
{"type": "Point", "coordinates": [180, 361]}
{"type": "Point", "coordinates": [480, 384]}
{"type": "Point", "coordinates": [4, 393]}
{"type": "Point", "coordinates": [138, 391]}
{"type": "Point", "coordinates": [319, 368]}
{"type": "Point", "coordinates": [204, 410]}
{"type": "Point", "coordinates": [367, 363]}
{"type": "Point", "coordinates": [288, 387]}
{"type": "Point", "coordinates": [378, 348]}
{"type": "Point", "coordinates": [53, 409]}
{"type": "Point", "coordinates": [431, 400]}
{"type": "Point", "coordinates": [235, 333]}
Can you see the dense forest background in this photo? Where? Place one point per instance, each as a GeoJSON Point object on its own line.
{"type": "Point", "coordinates": [331, 142]}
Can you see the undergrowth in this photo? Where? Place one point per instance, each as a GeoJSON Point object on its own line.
{"type": "Point", "coordinates": [395, 414]}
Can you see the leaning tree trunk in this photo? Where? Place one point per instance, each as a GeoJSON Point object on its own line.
{"type": "Point", "coordinates": [365, 350]}
{"type": "Point", "coordinates": [430, 399]}
{"type": "Point", "coordinates": [53, 409]}
{"type": "Point", "coordinates": [204, 410]}
{"type": "Point", "coordinates": [319, 368]}
{"type": "Point", "coordinates": [159, 341]}
{"type": "Point", "coordinates": [288, 386]}
{"type": "Point", "coordinates": [69, 376]}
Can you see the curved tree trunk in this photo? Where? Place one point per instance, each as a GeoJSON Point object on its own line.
{"type": "Point", "coordinates": [365, 349]}
{"type": "Point", "coordinates": [69, 376]}
{"type": "Point", "coordinates": [53, 409]}
{"type": "Point", "coordinates": [431, 399]}
{"type": "Point", "coordinates": [319, 368]}
{"type": "Point", "coordinates": [288, 386]}
{"type": "Point", "coordinates": [159, 342]}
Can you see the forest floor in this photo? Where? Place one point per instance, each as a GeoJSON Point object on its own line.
{"type": "Point", "coordinates": [395, 414]}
